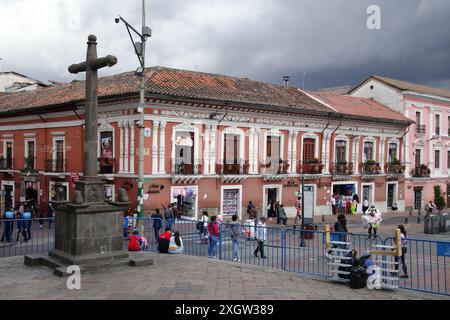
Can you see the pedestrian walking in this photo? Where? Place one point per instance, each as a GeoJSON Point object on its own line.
{"type": "Point", "coordinates": [261, 236]}
{"type": "Point", "coordinates": [373, 219]}
{"type": "Point", "coordinates": [283, 216]}
{"type": "Point", "coordinates": [235, 233]}
{"type": "Point", "coordinates": [341, 228]}
{"type": "Point", "coordinates": [8, 225]}
{"type": "Point", "coordinates": [277, 210]}
{"type": "Point", "coordinates": [203, 227]}
{"type": "Point", "coordinates": [250, 209]}
{"type": "Point", "coordinates": [169, 215]}
{"type": "Point", "coordinates": [157, 223]}
{"type": "Point", "coordinates": [365, 205]}
{"type": "Point", "coordinates": [50, 215]}
{"type": "Point", "coordinates": [404, 242]}
{"type": "Point", "coordinates": [298, 215]}
{"type": "Point", "coordinates": [213, 229]}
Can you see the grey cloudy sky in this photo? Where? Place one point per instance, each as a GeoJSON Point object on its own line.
{"type": "Point", "coordinates": [258, 39]}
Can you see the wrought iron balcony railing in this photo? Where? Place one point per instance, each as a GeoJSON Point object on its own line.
{"type": "Point", "coordinates": [105, 165]}
{"type": "Point", "coordinates": [394, 168]}
{"type": "Point", "coordinates": [310, 167]}
{"type": "Point", "coordinates": [182, 168]}
{"type": "Point", "coordinates": [58, 165]}
{"type": "Point", "coordinates": [342, 168]}
{"type": "Point", "coordinates": [275, 167]}
{"type": "Point", "coordinates": [421, 171]}
{"type": "Point", "coordinates": [29, 163]}
{"type": "Point", "coordinates": [6, 163]}
{"type": "Point", "coordinates": [233, 169]}
{"type": "Point", "coordinates": [370, 167]}
{"type": "Point", "coordinates": [421, 128]}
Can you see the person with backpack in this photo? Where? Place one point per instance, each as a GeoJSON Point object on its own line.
{"type": "Point", "coordinates": [235, 233]}
{"type": "Point", "coordinates": [261, 236]}
{"type": "Point", "coordinates": [404, 242]}
{"type": "Point", "coordinates": [169, 215]}
{"type": "Point", "coordinates": [176, 244]}
{"type": "Point", "coordinates": [213, 230]}
{"type": "Point", "coordinates": [202, 227]}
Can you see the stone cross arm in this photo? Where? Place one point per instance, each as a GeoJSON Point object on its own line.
{"type": "Point", "coordinates": [93, 64]}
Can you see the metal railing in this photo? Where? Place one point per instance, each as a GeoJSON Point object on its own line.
{"type": "Point", "coordinates": [370, 168]}
{"type": "Point", "coordinates": [58, 165]}
{"type": "Point", "coordinates": [421, 172]}
{"type": "Point", "coordinates": [105, 165]}
{"type": "Point", "coordinates": [394, 168]}
{"type": "Point", "coordinates": [426, 263]}
{"type": "Point", "coordinates": [421, 128]}
{"type": "Point", "coordinates": [182, 168]}
{"type": "Point", "coordinates": [342, 168]}
{"type": "Point", "coordinates": [310, 167]}
{"type": "Point", "coordinates": [6, 163]}
{"type": "Point", "coordinates": [28, 163]}
{"type": "Point", "coordinates": [275, 166]}
{"type": "Point", "coordinates": [233, 169]}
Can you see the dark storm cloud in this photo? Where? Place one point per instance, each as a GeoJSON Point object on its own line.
{"type": "Point", "coordinates": [258, 39]}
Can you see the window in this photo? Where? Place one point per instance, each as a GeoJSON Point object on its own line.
{"type": "Point", "coordinates": [392, 152]}
{"type": "Point", "coordinates": [184, 152]}
{"type": "Point", "coordinates": [437, 126]}
{"type": "Point", "coordinates": [308, 149]}
{"type": "Point", "coordinates": [106, 145]}
{"type": "Point", "coordinates": [231, 149]}
{"type": "Point", "coordinates": [29, 155]}
{"type": "Point", "coordinates": [273, 148]}
{"type": "Point", "coordinates": [368, 151]}
{"type": "Point", "coordinates": [417, 158]}
{"type": "Point", "coordinates": [340, 151]}
{"type": "Point", "coordinates": [437, 159]}
{"type": "Point", "coordinates": [59, 156]}
{"type": "Point", "coordinates": [58, 191]}
{"type": "Point", "coordinates": [9, 154]}
{"type": "Point", "coordinates": [448, 159]}
{"type": "Point", "coordinates": [418, 118]}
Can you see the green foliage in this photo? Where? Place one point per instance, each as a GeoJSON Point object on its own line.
{"type": "Point", "coordinates": [438, 198]}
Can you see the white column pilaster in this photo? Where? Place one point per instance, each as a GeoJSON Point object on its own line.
{"type": "Point", "coordinates": [155, 147]}
{"type": "Point", "coordinates": [126, 156]}
{"type": "Point", "coordinates": [294, 151]}
{"type": "Point", "coordinates": [251, 154]}
{"type": "Point", "coordinates": [206, 149]}
{"type": "Point", "coordinates": [212, 150]}
{"type": "Point", "coordinates": [162, 147]}
{"type": "Point", "coordinates": [131, 124]}
{"type": "Point", "coordinates": [326, 169]}
{"type": "Point", "coordinates": [120, 123]}
{"type": "Point", "coordinates": [382, 145]}
{"type": "Point", "coordinates": [289, 151]}
{"type": "Point", "coordinates": [256, 151]}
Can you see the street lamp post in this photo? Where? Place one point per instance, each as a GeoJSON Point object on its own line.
{"type": "Point", "coordinates": [139, 48]}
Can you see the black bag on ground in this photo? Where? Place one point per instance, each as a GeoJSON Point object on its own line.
{"type": "Point", "coordinates": [353, 262]}
{"type": "Point", "coordinates": [358, 277]}
{"type": "Point", "coordinates": [163, 245]}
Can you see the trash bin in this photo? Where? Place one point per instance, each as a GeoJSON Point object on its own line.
{"type": "Point", "coordinates": [310, 235]}
{"type": "Point", "coordinates": [431, 224]}
{"type": "Point", "coordinates": [441, 221]}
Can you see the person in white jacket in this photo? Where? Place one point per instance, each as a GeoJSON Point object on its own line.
{"type": "Point", "coordinates": [372, 219]}
{"type": "Point", "coordinates": [261, 236]}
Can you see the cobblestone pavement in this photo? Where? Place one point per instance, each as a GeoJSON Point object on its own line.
{"type": "Point", "coordinates": [182, 278]}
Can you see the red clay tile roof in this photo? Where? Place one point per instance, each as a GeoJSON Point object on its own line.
{"type": "Point", "coordinates": [409, 86]}
{"type": "Point", "coordinates": [358, 106]}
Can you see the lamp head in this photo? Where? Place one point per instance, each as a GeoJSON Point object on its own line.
{"type": "Point", "coordinates": [117, 19]}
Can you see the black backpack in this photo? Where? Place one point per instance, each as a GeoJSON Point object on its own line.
{"type": "Point", "coordinates": [358, 277]}
{"type": "Point", "coordinates": [163, 245]}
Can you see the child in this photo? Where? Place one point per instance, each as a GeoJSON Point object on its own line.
{"type": "Point", "coordinates": [136, 242]}
{"type": "Point", "coordinates": [213, 229]}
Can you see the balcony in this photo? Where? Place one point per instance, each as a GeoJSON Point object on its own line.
{"type": "Point", "coordinates": [58, 165]}
{"type": "Point", "coordinates": [421, 128]}
{"type": "Point", "coordinates": [395, 167]}
{"type": "Point", "coordinates": [233, 169]}
{"type": "Point", "coordinates": [421, 171]}
{"type": "Point", "coordinates": [342, 168]}
{"type": "Point", "coordinates": [310, 167]}
{"type": "Point", "coordinates": [6, 163]}
{"type": "Point", "coordinates": [105, 165]}
{"type": "Point", "coordinates": [28, 163]}
{"type": "Point", "coordinates": [181, 168]}
{"type": "Point", "coordinates": [275, 167]}
{"type": "Point", "coordinates": [370, 168]}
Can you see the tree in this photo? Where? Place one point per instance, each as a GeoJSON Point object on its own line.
{"type": "Point", "coordinates": [438, 198]}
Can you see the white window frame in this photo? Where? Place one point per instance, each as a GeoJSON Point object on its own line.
{"type": "Point", "coordinates": [106, 128]}
{"type": "Point", "coordinates": [279, 188]}
{"type": "Point", "coordinates": [5, 141]}
{"type": "Point", "coordinates": [235, 131]}
{"type": "Point", "coordinates": [397, 152]}
{"type": "Point", "coordinates": [54, 153]}
{"type": "Point", "coordinates": [8, 183]}
{"type": "Point", "coordinates": [232, 187]}
{"type": "Point", "coordinates": [310, 135]}
{"type": "Point", "coordinates": [361, 198]}
{"type": "Point", "coordinates": [375, 148]}
{"type": "Point", "coordinates": [395, 193]}
{"type": "Point", "coordinates": [196, 198]}
{"type": "Point", "coordinates": [274, 133]}
{"type": "Point", "coordinates": [52, 183]}
{"type": "Point", "coordinates": [337, 183]}
{"type": "Point", "coordinates": [434, 123]}
{"type": "Point", "coordinates": [187, 128]}
{"type": "Point", "coordinates": [347, 147]}
{"type": "Point", "coordinates": [437, 171]}
{"type": "Point", "coordinates": [26, 149]}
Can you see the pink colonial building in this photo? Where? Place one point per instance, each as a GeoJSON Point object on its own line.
{"type": "Point", "coordinates": [427, 143]}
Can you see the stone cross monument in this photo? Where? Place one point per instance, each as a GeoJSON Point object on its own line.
{"type": "Point", "coordinates": [88, 230]}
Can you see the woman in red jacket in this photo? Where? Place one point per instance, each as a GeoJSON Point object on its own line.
{"type": "Point", "coordinates": [213, 229]}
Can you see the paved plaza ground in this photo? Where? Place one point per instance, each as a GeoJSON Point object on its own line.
{"type": "Point", "coordinates": [182, 278]}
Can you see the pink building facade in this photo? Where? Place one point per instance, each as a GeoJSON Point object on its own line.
{"type": "Point", "coordinates": [427, 142]}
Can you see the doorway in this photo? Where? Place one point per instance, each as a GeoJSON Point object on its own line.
{"type": "Point", "coordinates": [7, 196]}
{"type": "Point", "coordinates": [391, 192]}
{"type": "Point", "coordinates": [367, 192]}
{"type": "Point", "coordinates": [418, 198]}
{"type": "Point", "coordinates": [31, 194]}
{"type": "Point", "coordinates": [272, 194]}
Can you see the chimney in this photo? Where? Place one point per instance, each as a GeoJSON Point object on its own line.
{"type": "Point", "coordinates": [286, 81]}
